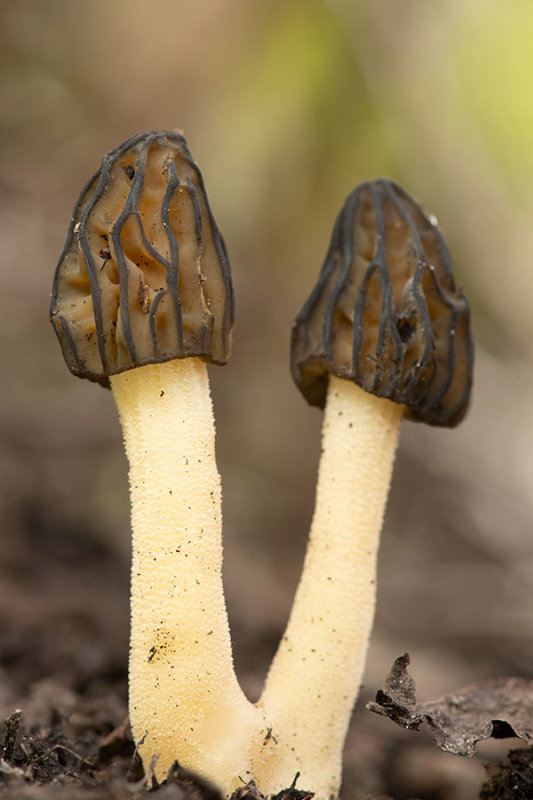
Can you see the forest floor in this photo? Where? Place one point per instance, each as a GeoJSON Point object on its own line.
{"type": "Point", "coordinates": [63, 686]}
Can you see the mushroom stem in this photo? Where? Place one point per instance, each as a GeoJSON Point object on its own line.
{"type": "Point", "coordinates": [314, 679]}
{"type": "Point", "coordinates": [185, 701]}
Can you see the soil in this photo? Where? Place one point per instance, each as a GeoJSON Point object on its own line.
{"type": "Point", "coordinates": [63, 683]}
{"type": "Point", "coordinates": [512, 780]}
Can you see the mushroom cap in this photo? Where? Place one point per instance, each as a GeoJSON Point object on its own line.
{"type": "Point", "coordinates": [385, 312]}
{"type": "Point", "coordinates": [144, 275]}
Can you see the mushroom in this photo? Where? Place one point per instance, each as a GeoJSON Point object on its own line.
{"type": "Point", "coordinates": [384, 335]}
{"type": "Point", "coordinates": [142, 298]}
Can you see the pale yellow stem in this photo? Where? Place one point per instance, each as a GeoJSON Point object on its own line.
{"type": "Point", "coordinates": [185, 701]}
{"type": "Point", "coordinates": [314, 679]}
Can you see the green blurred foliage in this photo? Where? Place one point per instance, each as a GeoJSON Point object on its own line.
{"type": "Point", "coordinates": [301, 104]}
{"type": "Point", "coordinates": [495, 65]}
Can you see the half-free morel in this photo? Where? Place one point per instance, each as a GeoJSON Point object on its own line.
{"type": "Point", "coordinates": [142, 298]}
{"type": "Point", "coordinates": [383, 336]}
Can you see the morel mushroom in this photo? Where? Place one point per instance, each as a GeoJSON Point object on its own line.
{"type": "Point", "coordinates": [142, 298]}
{"type": "Point", "coordinates": [384, 335]}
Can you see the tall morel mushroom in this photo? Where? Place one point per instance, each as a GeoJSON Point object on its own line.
{"type": "Point", "coordinates": [384, 335]}
{"type": "Point", "coordinates": [142, 298]}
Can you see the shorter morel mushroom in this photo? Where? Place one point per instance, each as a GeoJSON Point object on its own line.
{"type": "Point", "coordinates": [384, 335]}
{"type": "Point", "coordinates": [142, 297]}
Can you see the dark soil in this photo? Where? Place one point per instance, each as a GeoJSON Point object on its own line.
{"type": "Point", "coordinates": [512, 780]}
{"type": "Point", "coordinates": [63, 684]}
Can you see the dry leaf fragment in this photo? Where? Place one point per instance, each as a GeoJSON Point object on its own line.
{"type": "Point", "coordinates": [499, 708]}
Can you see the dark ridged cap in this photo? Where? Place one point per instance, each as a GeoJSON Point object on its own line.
{"type": "Point", "coordinates": [144, 276]}
{"type": "Point", "coordinates": [385, 312]}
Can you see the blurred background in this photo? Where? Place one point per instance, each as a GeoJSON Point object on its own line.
{"type": "Point", "coordinates": [286, 105]}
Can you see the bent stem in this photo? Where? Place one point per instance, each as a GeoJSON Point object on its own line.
{"type": "Point", "coordinates": [314, 679]}
{"type": "Point", "coordinates": [185, 701]}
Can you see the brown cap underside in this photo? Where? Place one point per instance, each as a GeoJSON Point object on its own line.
{"type": "Point", "coordinates": [144, 275]}
{"type": "Point", "coordinates": [385, 312]}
